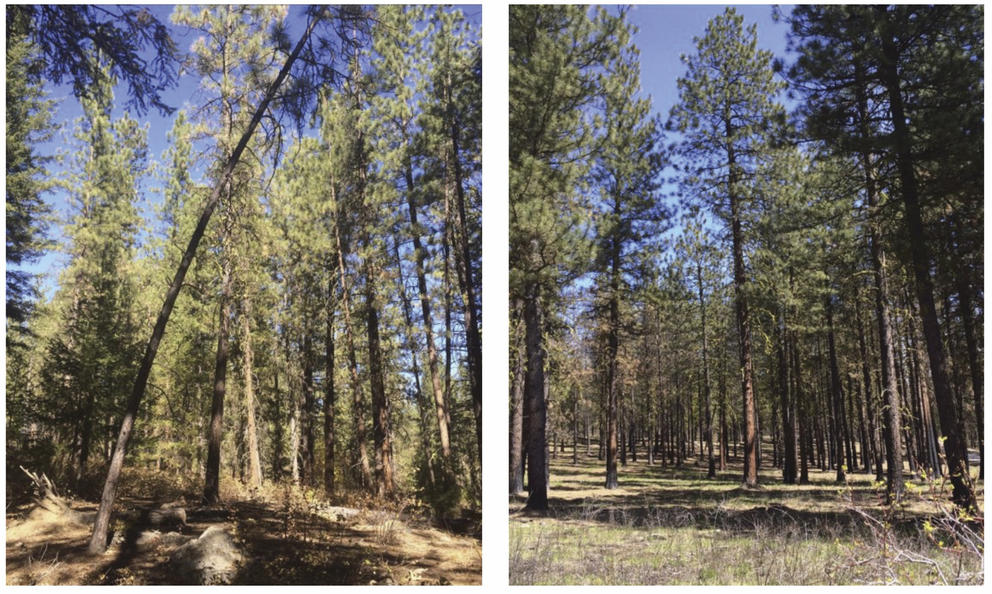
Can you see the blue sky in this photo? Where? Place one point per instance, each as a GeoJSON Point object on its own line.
{"type": "Point", "coordinates": [158, 127]}
{"type": "Point", "coordinates": [666, 32]}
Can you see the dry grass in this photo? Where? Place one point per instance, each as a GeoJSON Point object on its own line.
{"type": "Point", "coordinates": [675, 526]}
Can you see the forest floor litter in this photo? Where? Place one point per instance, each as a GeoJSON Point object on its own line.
{"type": "Point", "coordinates": [238, 542]}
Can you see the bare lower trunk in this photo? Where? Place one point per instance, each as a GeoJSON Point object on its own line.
{"type": "Point", "coordinates": [330, 396]}
{"type": "Point", "coordinates": [517, 415]}
{"type": "Point", "coordinates": [211, 489]}
{"type": "Point", "coordinates": [537, 485]}
{"type": "Point", "coordinates": [251, 426]}
{"type": "Point", "coordinates": [836, 395]}
{"type": "Point", "coordinates": [425, 306]}
{"type": "Point", "coordinates": [358, 409]}
{"type": "Point", "coordinates": [381, 432]}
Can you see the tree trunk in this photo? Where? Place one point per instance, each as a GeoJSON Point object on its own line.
{"type": "Point", "coordinates": [517, 415]}
{"type": "Point", "coordinates": [358, 408]}
{"type": "Point", "coordinates": [974, 364]}
{"type": "Point", "coordinates": [251, 426]}
{"type": "Point", "coordinates": [211, 493]}
{"type": "Point", "coordinates": [891, 401]}
{"type": "Point", "coordinates": [381, 432]}
{"type": "Point", "coordinates": [98, 540]}
{"type": "Point", "coordinates": [473, 336]}
{"type": "Point", "coordinates": [788, 421]}
{"type": "Point", "coordinates": [955, 448]}
{"type": "Point", "coordinates": [743, 323]}
{"type": "Point", "coordinates": [308, 409]}
{"type": "Point", "coordinates": [425, 307]}
{"type": "Point", "coordinates": [537, 486]}
{"type": "Point", "coordinates": [329, 395]}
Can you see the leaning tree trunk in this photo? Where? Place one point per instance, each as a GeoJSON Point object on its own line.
{"type": "Point", "coordinates": [466, 276]}
{"type": "Point", "coordinates": [98, 540]}
{"type": "Point", "coordinates": [955, 448]}
{"type": "Point", "coordinates": [411, 346]}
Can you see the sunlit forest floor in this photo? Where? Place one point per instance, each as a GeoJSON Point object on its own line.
{"type": "Point", "coordinates": [281, 536]}
{"type": "Point", "coordinates": [668, 525]}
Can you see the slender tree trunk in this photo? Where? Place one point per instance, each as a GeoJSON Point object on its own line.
{"type": "Point", "coordinates": [381, 432]}
{"type": "Point", "coordinates": [358, 408]}
{"type": "Point", "coordinates": [473, 336]}
{"type": "Point", "coordinates": [211, 493]}
{"type": "Point", "coordinates": [251, 426]}
{"type": "Point", "coordinates": [955, 448]}
{"type": "Point", "coordinates": [98, 540]}
{"type": "Point", "coordinates": [277, 429]}
{"type": "Point", "coordinates": [802, 410]}
{"type": "Point", "coordinates": [575, 425]}
{"type": "Point", "coordinates": [891, 422]}
{"type": "Point", "coordinates": [974, 363]}
{"type": "Point", "coordinates": [724, 434]}
{"type": "Point", "coordinates": [743, 323]}
{"type": "Point", "coordinates": [425, 306]}
{"type": "Point", "coordinates": [308, 409]}
{"type": "Point", "coordinates": [708, 431]}
{"type": "Point", "coordinates": [330, 396]}
{"type": "Point", "coordinates": [296, 416]}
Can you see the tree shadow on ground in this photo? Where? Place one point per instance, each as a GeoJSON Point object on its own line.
{"type": "Point", "coordinates": [659, 496]}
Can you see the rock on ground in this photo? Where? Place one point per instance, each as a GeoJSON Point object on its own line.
{"type": "Point", "coordinates": [213, 558]}
{"type": "Point", "coordinates": [336, 513]}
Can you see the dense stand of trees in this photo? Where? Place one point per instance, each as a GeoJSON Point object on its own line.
{"type": "Point", "coordinates": [323, 327]}
{"type": "Point", "coordinates": [812, 281]}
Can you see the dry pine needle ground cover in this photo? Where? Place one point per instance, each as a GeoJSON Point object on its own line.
{"type": "Point", "coordinates": [668, 525]}
{"type": "Point", "coordinates": [283, 537]}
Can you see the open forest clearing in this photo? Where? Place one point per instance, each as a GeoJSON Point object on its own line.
{"type": "Point", "coordinates": [673, 525]}
{"type": "Point", "coordinates": [748, 233]}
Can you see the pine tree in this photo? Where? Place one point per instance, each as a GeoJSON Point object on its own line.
{"type": "Point", "coordinates": [28, 123]}
{"type": "Point", "coordinates": [630, 213]}
{"type": "Point", "coordinates": [728, 117]}
{"type": "Point", "coordinates": [91, 357]}
{"type": "Point", "coordinates": [554, 53]}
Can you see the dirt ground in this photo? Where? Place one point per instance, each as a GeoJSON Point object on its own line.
{"type": "Point", "coordinates": [280, 545]}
